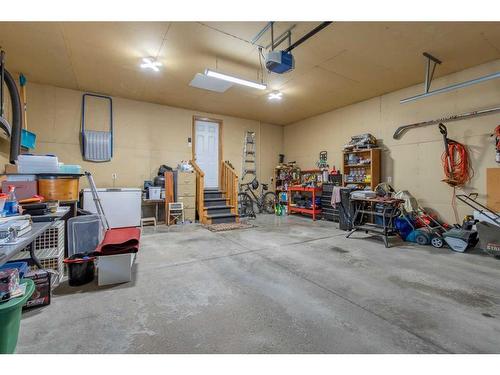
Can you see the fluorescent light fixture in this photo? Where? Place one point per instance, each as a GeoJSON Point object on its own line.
{"type": "Point", "coordinates": [239, 81]}
{"type": "Point", "coordinates": [275, 95]}
{"type": "Point", "coordinates": [150, 63]}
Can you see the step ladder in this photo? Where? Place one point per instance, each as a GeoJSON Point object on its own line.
{"type": "Point", "coordinates": [249, 167]}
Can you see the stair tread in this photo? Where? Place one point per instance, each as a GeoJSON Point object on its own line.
{"type": "Point", "coordinates": [216, 216]}
{"type": "Point", "coordinates": [218, 207]}
{"type": "Point", "coordinates": [214, 199]}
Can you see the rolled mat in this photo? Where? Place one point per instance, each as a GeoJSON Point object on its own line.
{"type": "Point", "coordinates": [119, 241]}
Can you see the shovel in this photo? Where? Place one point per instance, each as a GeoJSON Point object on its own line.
{"type": "Point", "coordinates": [28, 139]}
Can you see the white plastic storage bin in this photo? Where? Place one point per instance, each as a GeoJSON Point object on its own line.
{"type": "Point", "coordinates": [154, 192]}
{"type": "Point", "coordinates": [37, 164]}
{"type": "Point", "coordinates": [115, 269]}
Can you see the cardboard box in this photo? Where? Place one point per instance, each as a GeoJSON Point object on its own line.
{"type": "Point", "coordinates": [492, 190]}
{"type": "Point", "coordinates": [9, 282]}
{"type": "Point", "coordinates": [24, 189]}
{"type": "Point", "coordinates": [43, 292]}
{"type": "Point", "coordinates": [10, 168]}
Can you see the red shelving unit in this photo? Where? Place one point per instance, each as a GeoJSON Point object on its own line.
{"type": "Point", "coordinates": [309, 211]}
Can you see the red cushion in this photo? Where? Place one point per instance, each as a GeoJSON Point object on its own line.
{"type": "Point", "coordinates": [120, 241]}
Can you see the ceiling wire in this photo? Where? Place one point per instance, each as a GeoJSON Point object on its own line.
{"type": "Point", "coordinates": [69, 54]}
{"type": "Point", "coordinates": [229, 34]}
{"type": "Point", "coordinates": [163, 41]}
{"type": "Point", "coordinates": [261, 71]}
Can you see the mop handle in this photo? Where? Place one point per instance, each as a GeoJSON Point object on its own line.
{"type": "Point", "coordinates": [97, 201]}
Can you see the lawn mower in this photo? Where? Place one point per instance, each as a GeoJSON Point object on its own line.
{"type": "Point", "coordinates": [418, 226]}
{"type": "Point", "coordinates": [488, 229]}
{"type": "Point", "coordinates": [421, 228]}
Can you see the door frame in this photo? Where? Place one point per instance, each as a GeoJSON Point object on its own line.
{"type": "Point", "coordinates": [193, 137]}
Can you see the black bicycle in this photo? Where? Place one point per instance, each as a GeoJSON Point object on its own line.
{"type": "Point", "coordinates": [247, 199]}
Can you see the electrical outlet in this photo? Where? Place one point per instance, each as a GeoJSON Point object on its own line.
{"type": "Point", "coordinates": [389, 180]}
{"type": "Point", "coordinates": [114, 176]}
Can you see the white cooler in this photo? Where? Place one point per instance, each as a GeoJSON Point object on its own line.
{"type": "Point", "coordinates": [122, 206]}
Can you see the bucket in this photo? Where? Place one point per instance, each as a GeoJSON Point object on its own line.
{"type": "Point", "coordinates": [10, 319]}
{"type": "Point", "coordinates": [58, 188]}
{"type": "Point", "coordinates": [81, 269]}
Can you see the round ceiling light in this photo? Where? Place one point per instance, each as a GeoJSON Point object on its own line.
{"type": "Point", "coordinates": [150, 63]}
{"type": "Point", "coordinates": [275, 95]}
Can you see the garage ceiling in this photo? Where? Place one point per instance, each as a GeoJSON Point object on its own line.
{"type": "Point", "coordinates": [345, 63]}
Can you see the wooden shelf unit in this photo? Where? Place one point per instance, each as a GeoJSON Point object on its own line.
{"type": "Point", "coordinates": [285, 170]}
{"type": "Point", "coordinates": [371, 169]}
{"type": "Point", "coordinates": [317, 173]}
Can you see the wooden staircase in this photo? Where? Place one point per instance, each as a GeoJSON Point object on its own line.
{"type": "Point", "coordinates": [216, 206]}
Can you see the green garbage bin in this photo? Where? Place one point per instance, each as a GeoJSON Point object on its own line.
{"type": "Point", "coordinates": [10, 318]}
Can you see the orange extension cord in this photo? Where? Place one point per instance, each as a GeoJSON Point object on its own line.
{"type": "Point", "coordinates": [456, 164]}
{"type": "Point", "coordinates": [457, 169]}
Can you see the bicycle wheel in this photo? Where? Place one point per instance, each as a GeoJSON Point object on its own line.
{"type": "Point", "coordinates": [269, 202]}
{"type": "Point", "coordinates": [245, 205]}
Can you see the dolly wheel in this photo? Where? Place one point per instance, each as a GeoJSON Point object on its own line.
{"type": "Point", "coordinates": [437, 242]}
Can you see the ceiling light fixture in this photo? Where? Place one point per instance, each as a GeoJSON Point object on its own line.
{"type": "Point", "coordinates": [275, 95]}
{"type": "Point", "coordinates": [150, 63]}
{"type": "Point", "coordinates": [239, 81]}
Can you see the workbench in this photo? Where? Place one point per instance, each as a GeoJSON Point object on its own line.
{"type": "Point", "coordinates": [156, 203]}
{"type": "Point", "coordinates": [381, 211]}
{"type": "Point", "coordinates": [7, 252]}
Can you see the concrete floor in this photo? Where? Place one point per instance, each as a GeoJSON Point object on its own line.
{"type": "Point", "coordinates": [289, 285]}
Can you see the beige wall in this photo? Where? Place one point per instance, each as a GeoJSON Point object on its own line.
{"type": "Point", "coordinates": [4, 150]}
{"type": "Point", "coordinates": [413, 162]}
{"type": "Point", "coordinates": [4, 141]}
{"type": "Point", "coordinates": [146, 135]}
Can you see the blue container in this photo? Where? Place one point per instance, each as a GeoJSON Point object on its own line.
{"type": "Point", "coordinates": [70, 168]}
{"type": "Point", "coordinates": [21, 266]}
{"type": "Point", "coordinates": [28, 139]}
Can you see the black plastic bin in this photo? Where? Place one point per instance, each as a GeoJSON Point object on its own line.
{"type": "Point", "coordinates": [81, 269]}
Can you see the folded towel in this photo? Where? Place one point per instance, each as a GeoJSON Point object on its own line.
{"type": "Point", "coordinates": [335, 196]}
{"type": "Point", "coordinates": [119, 241]}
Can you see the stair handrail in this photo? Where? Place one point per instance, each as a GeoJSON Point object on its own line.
{"type": "Point", "coordinates": [200, 187]}
{"type": "Point", "coordinates": [229, 184]}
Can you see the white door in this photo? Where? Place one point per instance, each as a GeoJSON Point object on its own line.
{"type": "Point", "coordinates": [207, 151]}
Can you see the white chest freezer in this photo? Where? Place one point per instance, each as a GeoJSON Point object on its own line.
{"type": "Point", "coordinates": [122, 206]}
